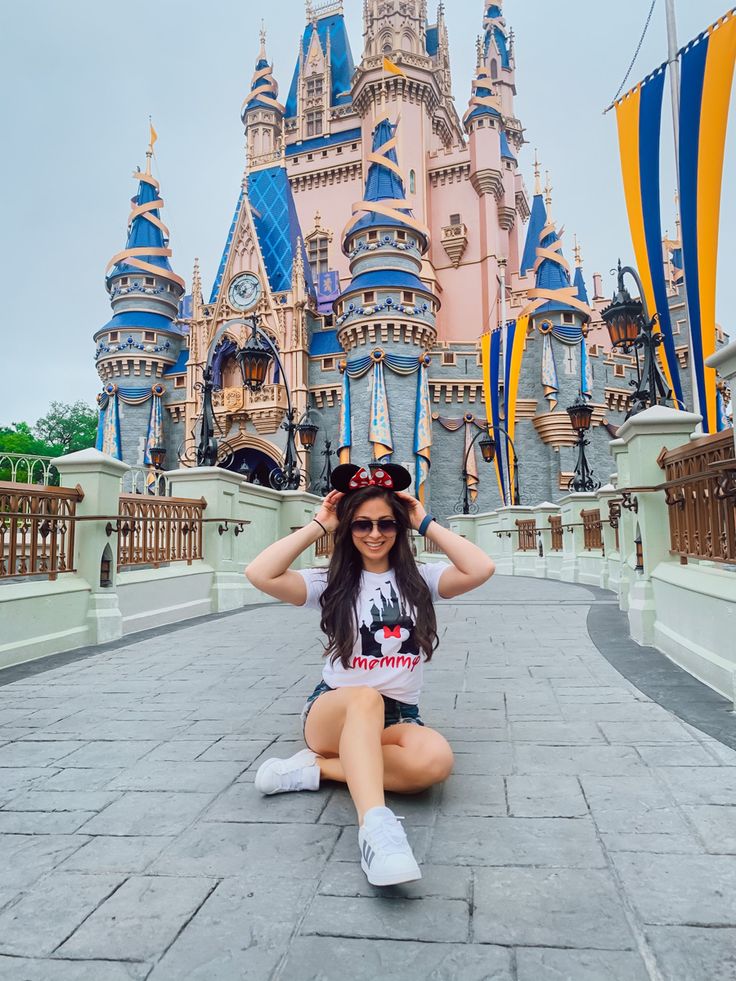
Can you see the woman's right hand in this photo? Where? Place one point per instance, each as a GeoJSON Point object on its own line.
{"type": "Point", "coordinates": [327, 514]}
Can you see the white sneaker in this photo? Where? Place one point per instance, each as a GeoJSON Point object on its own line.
{"type": "Point", "coordinates": [385, 854]}
{"type": "Point", "coordinates": [299, 772]}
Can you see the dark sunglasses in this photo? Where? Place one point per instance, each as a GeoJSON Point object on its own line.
{"type": "Point", "coordinates": [364, 526]}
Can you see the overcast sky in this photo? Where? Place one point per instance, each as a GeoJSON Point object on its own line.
{"type": "Point", "coordinates": [79, 79]}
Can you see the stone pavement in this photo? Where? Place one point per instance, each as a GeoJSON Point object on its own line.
{"type": "Point", "coordinates": [586, 834]}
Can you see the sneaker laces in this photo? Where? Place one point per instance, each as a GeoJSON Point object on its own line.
{"type": "Point", "coordinates": [293, 779]}
{"type": "Point", "coordinates": [389, 835]}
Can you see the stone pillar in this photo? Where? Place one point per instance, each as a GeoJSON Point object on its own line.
{"type": "Point", "coordinates": [572, 533]}
{"type": "Point", "coordinates": [644, 436]}
{"type": "Point", "coordinates": [463, 525]}
{"type": "Point", "coordinates": [724, 361]}
{"type": "Point", "coordinates": [100, 478]}
{"type": "Point", "coordinates": [611, 573]}
{"type": "Point", "coordinates": [542, 513]}
{"type": "Point", "coordinates": [220, 489]}
{"type": "Point", "coordinates": [626, 524]}
{"type": "Point", "coordinates": [504, 534]}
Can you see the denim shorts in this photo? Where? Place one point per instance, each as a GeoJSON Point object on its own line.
{"type": "Point", "coordinates": [394, 711]}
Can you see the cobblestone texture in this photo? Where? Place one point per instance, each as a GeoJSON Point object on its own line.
{"type": "Point", "coordinates": [587, 833]}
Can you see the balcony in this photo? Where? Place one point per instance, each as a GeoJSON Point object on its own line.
{"type": "Point", "coordinates": [455, 241]}
{"type": "Point", "coordinates": [265, 409]}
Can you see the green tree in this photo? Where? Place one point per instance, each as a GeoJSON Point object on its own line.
{"type": "Point", "coordinates": [19, 438]}
{"type": "Point", "coordinates": [68, 427]}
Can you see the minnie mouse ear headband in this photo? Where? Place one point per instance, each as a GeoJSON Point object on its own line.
{"type": "Point", "coordinates": [390, 476]}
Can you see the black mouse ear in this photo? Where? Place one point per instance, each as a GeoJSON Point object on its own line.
{"type": "Point", "coordinates": [399, 475]}
{"type": "Point", "coordinates": [341, 476]}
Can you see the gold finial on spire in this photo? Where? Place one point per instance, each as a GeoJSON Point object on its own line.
{"type": "Point", "coordinates": [548, 197]}
{"type": "Point", "coordinates": [537, 172]}
{"type": "Point", "coordinates": [478, 52]}
{"type": "Point", "coordinates": [262, 53]}
{"type": "Point", "coordinates": [578, 253]}
{"type": "Point", "coordinates": [153, 136]}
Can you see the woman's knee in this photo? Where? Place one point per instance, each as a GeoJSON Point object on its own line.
{"type": "Point", "coordinates": [364, 700]}
{"type": "Point", "coordinates": [433, 763]}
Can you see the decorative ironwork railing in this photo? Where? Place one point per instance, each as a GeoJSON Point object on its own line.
{"type": "Point", "coordinates": [592, 529]}
{"type": "Point", "coordinates": [555, 524]}
{"type": "Point", "coordinates": [432, 548]}
{"type": "Point", "coordinates": [527, 532]}
{"type": "Point", "coordinates": [158, 530]}
{"type": "Point", "coordinates": [325, 545]}
{"type": "Point", "coordinates": [144, 480]}
{"type": "Point", "coordinates": [700, 490]}
{"type": "Point", "coordinates": [22, 468]}
{"type": "Point", "coordinates": [37, 530]}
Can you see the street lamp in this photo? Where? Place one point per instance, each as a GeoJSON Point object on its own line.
{"type": "Point", "coordinates": [488, 451]}
{"type": "Point", "coordinates": [254, 359]}
{"type": "Point", "coordinates": [307, 437]}
{"type": "Point", "coordinates": [630, 326]}
{"type": "Point", "coordinates": [580, 416]}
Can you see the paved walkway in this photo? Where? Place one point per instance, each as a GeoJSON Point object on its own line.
{"type": "Point", "coordinates": [586, 834]}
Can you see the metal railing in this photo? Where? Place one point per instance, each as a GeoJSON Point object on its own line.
{"type": "Point", "coordinates": [527, 532]}
{"type": "Point", "coordinates": [555, 524]}
{"type": "Point", "coordinates": [431, 547]}
{"type": "Point", "coordinates": [24, 468]}
{"type": "Point", "coordinates": [145, 480]}
{"type": "Point", "coordinates": [325, 545]}
{"type": "Point", "coordinates": [700, 490]}
{"type": "Point", "coordinates": [592, 529]}
{"type": "Point", "coordinates": [158, 530]}
{"type": "Point", "coordinates": [37, 530]}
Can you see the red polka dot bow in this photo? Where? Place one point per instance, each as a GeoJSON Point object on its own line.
{"type": "Point", "coordinates": [379, 478]}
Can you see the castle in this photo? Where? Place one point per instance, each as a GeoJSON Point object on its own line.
{"type": "Point", "coordinates": [379, 236]}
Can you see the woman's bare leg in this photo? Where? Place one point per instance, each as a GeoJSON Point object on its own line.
{"type": "Point", "coordinates": [404, 758]}
{"type": "Point", "coordinates": [349, 721]}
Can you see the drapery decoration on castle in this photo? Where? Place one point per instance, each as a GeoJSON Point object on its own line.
{"type": "Point", "coordinates": [155, 435]}
{"type": "Point", "coordinates": [586, 375]}
{"type": "Point", "coordinates": [394, 208]}
{"type": "Point", "coordinates": [707, 73]}
{"type": "Point", "coordinates": [452, 426]}
{"type": "Point", "coordinates": [422, 428]}
{"type": "Point", "coordinates": [639, 116]}
{"type": "Point", "coordinates": [549, 369]}
{"type": "Point", "coordinates": [133, 256]}
{"type": "Point", "coordinates": [482, 96]}
{"type": "Point", "coordinates": [108, 427]}
{"type": "Point", "coordinates": [345, 435]}
{"type": "Point", "coordinates": [380, 423]}
{"type": "Point", "coordinates": [264, 87]}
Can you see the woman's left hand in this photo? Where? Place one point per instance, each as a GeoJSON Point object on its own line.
{"type": "Point", "coordinates": [417, 514]}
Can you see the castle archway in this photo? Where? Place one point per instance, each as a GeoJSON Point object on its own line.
{"type": "Point", "coordinates": [252, 457]}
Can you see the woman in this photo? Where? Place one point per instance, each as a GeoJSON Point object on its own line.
{"type": "Point", "coordinates": [361, 723]}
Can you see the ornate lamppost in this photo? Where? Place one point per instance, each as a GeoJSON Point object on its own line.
{"type": "Point", "coordinates": [488, 451]}
{"type": "Point", "coordinates": [580, 416]}
{"type": "Point", "coordinates": [630, 326]}
{"type": "Point", "coordinates": [254, 359]}
{"type": "Point", "coordinates": [307, 437]}
{"type": "Point", "coordinates": [157, 454]}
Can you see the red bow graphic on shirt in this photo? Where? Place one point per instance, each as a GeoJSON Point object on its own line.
{"type": "Point", "coordinates": [391, 632]}
{"type": "Point", "coordinates": [379, 478]}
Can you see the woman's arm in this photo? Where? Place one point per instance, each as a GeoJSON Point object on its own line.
{"type": "Point", "coordinates": [270, 570]}
{"type": "Point", "coordinates": [471, 567]}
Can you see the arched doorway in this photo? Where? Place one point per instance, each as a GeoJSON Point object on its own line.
{"type": "Point", "coordinates": [253, 464]}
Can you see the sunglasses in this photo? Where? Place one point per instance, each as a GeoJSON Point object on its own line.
{"type": "Point", "coordinates": [364, 526]}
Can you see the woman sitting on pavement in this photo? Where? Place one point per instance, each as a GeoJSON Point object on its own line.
{"type": "Point", "coordinates": [361, 722]}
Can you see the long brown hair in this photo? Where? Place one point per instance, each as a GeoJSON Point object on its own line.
{"type": "Point", "coordinates": [339, 618]}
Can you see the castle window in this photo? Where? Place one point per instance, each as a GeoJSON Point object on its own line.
{"type": "Point", "coordinates": [295, 160]}
{"type": "Point", "coordinates": [401, 236]}
{"type": "Point", "coordinates": [124, 281]}
{"type": "Point", "coordinates": [328, 364]}
{"type": "Point", "coordinates": [318, 253]}
{"type": "Point", "coordinates": [339, 149]}
{"type": "Point", "coordinates": [114, 335]}
{"type": "Point", "coordinates": [369, 298]}
{"type": "Point", "coordinates": [412, 182]}
{"type": "Point", "coordinates": [448, 357]}
{"type": "Point", "coordinates": [619, 371]}
{"type": "Point", "coordinates": [179, 381]}
{"type": "Point", "coordinates": [315, 87]}
{"type": "Point", "coordinates": [314, 123]}
{"type": "Point", "coordinates": [372, 236]}
{"type": "Point", "coordinates": [494, 68]}
{"type": "Point", "coordinates": [149, 280]}
{"type": "Point", "coordinates": [567, 318]}
{"type": "Point", "coordinates": [148, 335]}
{"type": "Point", "coordinates": [354, 146]}
{"type": "Point", "coordinates": [455, 219]}
{"type": "Point", "coordinates": [408, 297]}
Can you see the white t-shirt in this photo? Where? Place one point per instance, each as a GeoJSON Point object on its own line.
{"type": "Point", "coordinates": [385, 655]}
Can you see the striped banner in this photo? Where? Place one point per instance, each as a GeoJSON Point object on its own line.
{"type": "Point", "coordinates": [515, 343]}
{"type": "Point", "coordinates": [345, 437]}
{"type": "Point", "coordinates": [490, 348]}
{"type": "Point", "coordinates": [705, 88]}
{"type": "Point", "coordinates": [639, 117]}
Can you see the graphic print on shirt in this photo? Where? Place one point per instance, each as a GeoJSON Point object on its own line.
{"type": "Point", "coordinates": [386, 629]}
